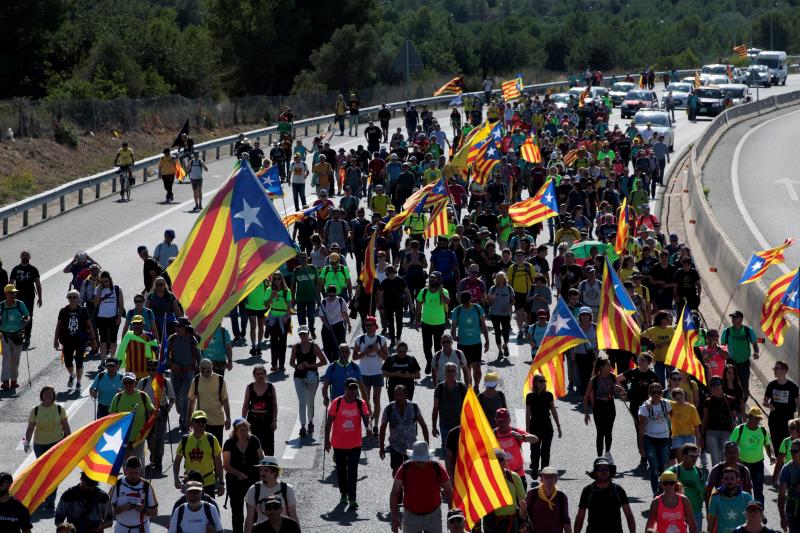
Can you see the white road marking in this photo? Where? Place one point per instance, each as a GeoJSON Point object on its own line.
{"type": "Point", "coordinates": [519, 415]}
{"type": "Point", "coordinates": [737, 192]}
{"type": "Point", "coordinates": [790, 187]}
{"type": "Point", "coordinates": [293, 443]}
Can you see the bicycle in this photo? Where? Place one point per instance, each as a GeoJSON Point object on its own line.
{"type": "Point", "coordinates": [125, 183]}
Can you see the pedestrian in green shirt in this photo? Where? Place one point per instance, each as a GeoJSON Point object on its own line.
{"type": "Point", "coordinates": [305, 279]}
{"type": "Point", "coordinates": [753, 439]}
{"type": "Point", "coordinates": [740, 339]}
{"type": "Point", "coordinates": [691, 478]}
{"type": "Point", "coordinates": [138, 402]}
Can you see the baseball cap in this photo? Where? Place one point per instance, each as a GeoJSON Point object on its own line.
{"type": "Point", "coordinates": [585, 310]}
{"type": "Point", "coordinates": [137, 319]}
{"type": "Point", "coordinates": [756, 412]}
{"type": "Point", "coordinates": [350, 381]}
{"type": "Point", "coordinates": [10, 288]}
{"type": "Point", "coordinates": [541, 312]}
{"type": "Point", "coordinates": [491, 380]}
{"type": "Point", "coordinates": [736, 314]}
{"type": "Point", "coordinates": [302, 330]}
{"type": "Point", "coordinates": [548, 471]}
{"type": "Point", "coordinates": [199, 415]}
{"type": "Point", "coordinates": [455, 515]}
{"type": "Point", "coordinates": [129, 376]}
{"type": "Point", "coordinates": [192, 486]}
{"type": "Point", "coordinates": [673, 237]}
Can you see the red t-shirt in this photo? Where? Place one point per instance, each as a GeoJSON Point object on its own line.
{"type": "Point", "coordinates": [514, 447]}
{"type": "Point", "coordinates": [421, 493]}
{"type": "Point", "coordinates": [346, 430]}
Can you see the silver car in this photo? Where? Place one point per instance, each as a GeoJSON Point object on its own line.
{"type": "Point", "coordinates": [680, 94]}
{"type": "Point", "coordinates": [659, 121]}
{"type": "Point", "coordinates": [619, 90]}
{"type": "Point", "coordinates": [757, 76]}
{"type": "Point", "coordinates": [561, 100]}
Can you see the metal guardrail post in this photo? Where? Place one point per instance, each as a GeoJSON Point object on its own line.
{"type": "Point", "coordinates": [5, 227]}
{"type": "Point", "coordinates": [80, 196]}
{"type": "Point", "coordinates": [96, 192]}
{"type": "Point", "coordinates": [44, 211]}
{"type": "Point", "coordinates": [217, 152]}
{"type": "Point", "coordinates": [62, 204]}
{"type": "Point", "coordinates": [204, 154]}
{"type": "Point", "coordinates": [269, 139]}
{"type": "Point", "coordinates": [144, 175]}
{"type": "Point", "coordinates": [25, 219]}
{"type": "Point", "coordinates": [306, 131]}
{"type": "Point", "coordinates": [230, 150]}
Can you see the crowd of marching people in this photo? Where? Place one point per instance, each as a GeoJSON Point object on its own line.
{"type": "Point", "coordinates": [472, 292]}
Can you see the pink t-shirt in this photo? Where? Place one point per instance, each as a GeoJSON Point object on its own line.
{"type": "Point", "coordinates": [511, 445]}
{"type": "Point", "coordinates": [346, 430]}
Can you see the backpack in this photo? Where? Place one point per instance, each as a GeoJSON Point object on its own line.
{"type": "Point", "coordinates": [461, 358]}
{"type": "Point", "coordinates": [284, 493]}
{"type": "Point", "coordinates": [206, 509]}
{"type": "Point", "coordinates": [515, 269]}
{"type": "Point", "coordinates": [741, 427]}
{"type": "Point", "coordinates": [143, 396]}
{"type": "Point", "coordinates": [145, 489]}
{"type": "Point", "coordinates": [196, 381]}
{"type": "Point", "coordinates": [651, 414]}
{"type": "Point", "coordinates": [185, 439]}
{"type": "Point", "coordinates": [3, 311]}
{"type": "Point", "coordinates": [751, 336]}
{"type": "Point", "coordinates": [475, 288]}
{"type": "Point", "coordinates": [339, 404]}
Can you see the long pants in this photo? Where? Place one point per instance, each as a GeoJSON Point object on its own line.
{"type": "Point", "coordinates": [277, 341]}
{"type": "Point", "coordinates": [135, 451]}
{"type": "Point", "coordinates": [306, 389]}
{"type": "Point", "coordinates": [757, 475]}
{"type": "Point", "coordinates": [332, 339]}
{"type": "Point", "coordinates": [156, 438]}
{"type": "Point", "coordinates": [352, 122]}
{"type": "Point", "coordinates": [657, 452]}
{"type": "Point", "coordinates": [181, 381]}
{"type": "Point", "coordinates": [299, 193]}
{"type": "Point", "coordinates": [499, 524]}
{"type": "Point", "coordinates": [347, 470]}
{"type": "Point", "coordinates": [306, 311]}
{"type": "Point", "coordinates": [12, 353]}
{"type": "Point", "coordinates": [540, 452]}
{"type": "Point", "coordinates": [501, 324]}
{"type": "Point", "coordinates": [431, 338]}
{"type": "Point", "coordinates": [169, 180]}
{"type": "Point", "coordinates": [715, 442]}
{"type": "Point", "coordinates": [217, 431]}
{"type": "Point", "coordinates": [604, 414]}
{"type": "Point", "coordinates": [393, 320]}
{"type": "Point", "coordinates": [39, 450]}
{"type": "Point", "coordinates": [429, 523]}
{"type": "Point", "coordinates": [237, 489]}
{"type": "Point", "coordinates": [340, 122]}
{"type": "Point", "coordinates": [238, 316]}
{"type": "Point", "coordinates": [102, 410]}
{"type": "Point", "coordinates": [778, 428]}
{"type": "Point", "coordinates": [28, 300]}
{"type": "Point", "coordinates": [261, 427]}
{"type": "Point", "coordinates": [743, 372]}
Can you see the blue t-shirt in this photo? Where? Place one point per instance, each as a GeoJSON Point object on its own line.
{"type": "Point", "coordinates": [11, 317]}
{"type": "Point", "coordinates": [106, 387]}
{"type": "Point", "coordinates": [468, 324]}
{"type": "Point", "coordinates": [729, 511]}
{"type": "Point", "coordinates": [337, 373]}
{"type": "Point", "coordinates": [216, 346]}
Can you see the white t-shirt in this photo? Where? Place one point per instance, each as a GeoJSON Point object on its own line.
{"type": "Point", "coordinates": [371, 364]}
{"type": "Point", "coordinates": [108, 307]}
{"type": "Point", "coordinates": [194, 521]}
{"type": "Point", "coordinates": [441, 358]}
{"type": "Point", "coordinates": [657, 422]}
{"type": "Point", "coordinates": [195, 170]}
{"type": "Point", "coordinates": [124, 494]}
{"type": "Point", "coordinates": [299, 171]}
{"type": "Point", "coordinates": [263, 492]}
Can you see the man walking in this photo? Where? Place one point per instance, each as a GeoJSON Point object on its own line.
{"type": "Point", "coordinates": [402, 417]}
{"type": "Point", "coordinates": [137, 402]}
{"type": "Point", "coordinates": [209, 393]}
{"type": "Point", "coordinates": [25, 278]}
{"type": "Point", "coordinates": [740, 340]}
{"type": "Point", "coordinates": [753, 440]}
{"type": "Point", "coordinates": [420, 481]}
{"type": "Point", "coordinates": [156, 438]}
{"type": "Point", "coordinates": [14, 317]}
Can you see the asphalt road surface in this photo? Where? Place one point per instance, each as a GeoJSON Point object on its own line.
{"type": "Point", "coordinates": [110, 232]}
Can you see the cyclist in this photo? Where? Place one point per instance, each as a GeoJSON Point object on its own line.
{"type": "Point", "coordinates": [125, 160]}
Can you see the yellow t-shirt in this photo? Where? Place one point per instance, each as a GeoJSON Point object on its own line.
{"type": "Point", "coordinates": [48, 423]}
{"type": "Point", "coordinates": [166, 165]}
{"type": "Point", "coordinates": [684, 418]}
{"type": "Point", "coordinates": [211, 398]}
{"type": "Point", "coordinates": [380, 204]}
{"type": "Point", "coordinates": [199, 456]}
{"type": "Point", "coordinates": [521, 277]}
{"type": "Point", "coordinates": [661, 337]}
{"type": "Point", "coordinates": [125, 156]}
{"type": "Point", "coordinates": [689, 388]}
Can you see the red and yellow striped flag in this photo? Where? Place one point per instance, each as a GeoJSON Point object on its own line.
{"type": "Point", "coordinates": [552, 369]}
{"type": "Point", "coordinates": [761, 261]}
{"type": "Point", "coordinates": [680, 353]}
{"type": "Point", "coordinates": [587, 92]}
{"type": "Point", "coordinates": [438, 223]}
{"type": "Point", "coordinates": [542, 206]}
{"type": "Point", "coordinates": [642, 82]}
{"type": "Point", "coordinates": [454, 86]}
{"type": "Point", "coordinates": [180, 174]}
{"type": "Point", "coordinates": [616, 329]}
{"type": "Point", "coordinates": [740, 50]}
{"type": "Point", "coordinates": [479, 486]}
{"type": "Point", "coordinates": [571, 157]}
{"type": "Point", "coordinates": [623, 230]}
{"type": "Point", "coordinates": [511, 89]}
{"type": "Point", "coordinates": [697, 80]}
{"type": "Point", "coordinates": [773, 311]}
{"type": "Point", "coordinates": [369, 273]}
{"type": "Point", "coordinates": [530, 152]}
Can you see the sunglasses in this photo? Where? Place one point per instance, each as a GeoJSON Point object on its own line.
{"type": "Point", "coordinates": [656, 393]}
{"type": "Point", "coordinates": [667, 483]}
{"type": "Point", "coordinates": [447, 342]}
{"type": "Point", "coordinates": [72, 297]}
{"type": "Point", "coordinates": [753, 510]}
{"type": "Point", "coordinates": [272, 506]}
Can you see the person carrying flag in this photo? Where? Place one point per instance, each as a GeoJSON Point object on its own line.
{"type": "Point", "coordinates": [156, 437]}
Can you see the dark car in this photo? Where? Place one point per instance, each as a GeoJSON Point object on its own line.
{"type": "Point", "coordinates": [711, 101]}
{"type": "Point", "coordinates": [637, 99]}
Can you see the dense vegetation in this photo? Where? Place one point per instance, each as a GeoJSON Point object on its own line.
{"type": "Point", "coordinates": [138, 48]}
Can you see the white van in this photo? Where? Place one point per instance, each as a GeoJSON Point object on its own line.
{"type": "Point", "coordinates": [777, 63]}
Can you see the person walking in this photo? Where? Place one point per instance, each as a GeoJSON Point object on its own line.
{"type": "Point", "coordinates": [240, 453]}
{"type": "Point", "coordinates": [448, 398]}
{"type": "Point", "coordinates": [511, 440]}
{"type": "Point", "coordinates": [260, 409]}
{"type": "Point", "coordinates": [782, 398]}
{"type": "Point", "coordinates": [547, 506]}
{"type": "Point", "coordinates": [420, 482]}
{"type": "Point", "coordinates": [507, 517]}
{"type": "Point", "coordinates": [401, 369]}
{"type": "Point", "coordinates": [138, 346]}
{"type": "Point", "coordinates": [789, 491]}
{"type": "Point", "coordinates": [25, 277]}
{"type": "Point", "coordinates": [14, 316]}
{"type": "Point", "coordinates": [691, 478]}
{"type": "Point", "coordinates": [219, 351]}
{"type": "Point", "coordinates": [267, 486]}
{"type": "Point", "coordinates": [539, 408]}
{"type": "Point", "coordinates": [130, 400]}
{"type": "Point", "coordinates": [106, 384]}
{"type": "Point", "coordinates": [184, 359]}
{"type": "Point", "coordinates": [371, 349]}
{"type": "Point", "coordinates": [73, 329]}
{"type": "Point", "coordinates": [201, 452]}
{"type": "Point", "coordinates": [600, 396]}
{"type": "Point", "coordinates": [448, 354]}
{"type": "Point", "coordinates": [196, 168]}
{"type": "Point", "coordinates": [741, 342]}
{"type": "Point", "coordinates": [256, 311]}
{"type": "Point", "coordinates": [85, 507]}
{"type": "Point", "coordinates": [491, 399]}
{"type": "Point", "coordinates": [671, 511]}
{"type": "Point", "coordinates": [401, 416]}
{"type": "Point", "coordinates": [718, 419]}
{"type": "Point", "coordinates": [501, 301]}
{"type": "Point", "coordinates": [166, 172]}
{"type": "Point", "coordinates": [166, 250]}
{"type": "Point", "coordinates": [208, 392]}
{"type": "Point", "coordinates": [431, 315]}
{"type": "Point", "coordinates": [299, 173]}
{"type": "Point", "coordinates": [133, 500]}
{"type": "Point", "coordinates": [603, 501]}
{"type": "Point", "coordinates": [753, 439]}
{"type": "Point", "coordinates": [306, 359]}
{"type": "Point", "coordinates": [343, 435]}
{"type": "Point", "coordinates": [278, 300]}
{"type": "Point", "coordinates": [726, 508]}
{"type": "Point", "coordinates": [195, 514]}
{"type": "Point", "coordinates": [468, 323]}
{"type": "Point", "coordinates": [636, 382]}
{"type": "Point", "coordinates": [157, 436]}
{"type": "Point", "coordinates": [305, 279]}
{"type": "Point", "coordinates": [654, 433]}
{"type": "Point", "coordinates": [335, 322]}
{"type": "Point", "coordinates": [47, 426]}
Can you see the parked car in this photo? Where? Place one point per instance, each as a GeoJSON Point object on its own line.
{"type": "Point", "coordinates": [659, 122]}
{"type": "Point", "coordinates": [778, 64]}
{"type": "Point", "coordinates": [680, 93]}
{"type": "Point", "coordinates": [737, 93]}
{"type": "Point", "coordinates": [619, 90]}
{"type": "Point", "coordinates": [560, 100]}
{"type": "Point", "coordinates": [757, 76]}
{"type": "Point", "coordinates": [712, 101]}
{"type": "Point", "coordinates": [637, 99]}
{"type": "Point", "coordinates": [718, 79]}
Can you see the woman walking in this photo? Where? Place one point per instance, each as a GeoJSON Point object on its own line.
{"type": "Point", "coordinates": [585, 353]}
{"type": "Point", "coordinates": [47, 425]}
{"type": "Point", "coordinates": [108, 301]}
{"type": "Point", "coordinates": [600, 396]}
{"type": "Point", "coordinates": [164, 306]}
{"type": "Point", "coordinates": [306, 359]}
{"type": "Point", "coordinates": [255, 303]}
{"type": "Point", "coordinates": [73, 329]}
{"type": "Point", "coordinates": [501, 299]}
{"type": "Point", "coordinates": [260, 409]}
{"type": "Point", "coordinates": [278, 300]}
{"type": "Point", "coordinates": [539, 408]}
{"type": "Point", "coordinates": [671, 511]}
{"type": "Point", "coordinates": [240, 453]}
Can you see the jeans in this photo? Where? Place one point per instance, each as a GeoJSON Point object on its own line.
{"type": "Point", "coordinates": [340, 122]}
{"type": "Point", "coordinates": [352, 122]}
{"type": "Point", "coordinates": [431, 338]}
{"type": "Point", "coordinates": [657, 452]}
{"type": "Point", "coordinates": [661, 371]}
{"type": "Point", "coordinates": [444, 430]}
{"type": "Point", "coordinates": [331, 338]}
{"type": "Point", "coordinates": [757, 475]}
{"type": "Point", "coordinates": [181, 381]}
{"type": "Point", "coordinates": [604, 415]}
{"type": "Point", "coordinates": [540, 452]}
{"type": "Point", "coordinates": [347, 470]}
{"type": "Point", "coordinates": [715, 440]}
{"type": "Point", "coordinates": [393, 320]}
{"type": "Point", "coordinates": [38, 451]}
{"type": "Point", "coordinates": [306, 389]}
{"type": "Point", "coordinates": [299, 193]}
{"type": "Point", "coordinates": [306, 311]}
{"type": "Point", "coordinates": [277, 328]}
{"type": "Point", "coordinates": [238, 316]}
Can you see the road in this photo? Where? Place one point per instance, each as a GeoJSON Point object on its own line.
{"type": "Point", "coordinates": [754, 187]}
{"type": "Point", "coordinates": [110, 232]}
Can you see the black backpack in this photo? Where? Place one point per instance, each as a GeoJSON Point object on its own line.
{"type": "Point", "coordinates": [206, 509]}
{"type": "Point", "coordinates": [196, 380]}
{"type": "Point", "coordinates": [185, 439]}
{"type": "Point", "coordinates": [284, 493]}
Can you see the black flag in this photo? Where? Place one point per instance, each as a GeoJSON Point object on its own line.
{"type": "Point", "coordinates": [185, 129]}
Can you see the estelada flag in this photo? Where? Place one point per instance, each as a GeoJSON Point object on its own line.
{"type": "Point", "coordinates": [761, 261]}
{"type": "Point", "coordinates": [616, 329]}
{"type": "Point", "coordinates": [43, 476]}
{"type": "Point", "coordinates": [369, 272]}
{"type": "Point", "coordinates": [511, 89]}
{"type": "Point", "coordinates": [623, 230]}
{"type": "Point", "coordinates": [680, 353]}
{"type": "Point", "coordinates": [542, 206]}
{"type": "Point", "coordinates": [773, 310]}
{"type": "Point", "coordinates": [438, 222]}
{"type": "Point", "coordinates": [740, 50]}
{"type": "Point", "coordinates": [454, 86]}
{"type": "Point", "coordinates": [529, 151]}
{"type": "Point", "coordinates": [479, 486]}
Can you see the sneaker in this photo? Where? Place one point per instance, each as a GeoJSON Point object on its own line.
{"type": "Point", "coordinates": [428, 368]}
{"type": "Point", "coordinates": [26, 345]}
{"type": "Point", "coordinates": [253, 351]}
{"type": "Point", "coordinates": [343, 499]}
{"type": "Point", "coordinates": [310, 429]}
{"type": "Point", "coordinates": [375, 430]}
{"type": "Point", "coordinates": [353, 506]}
{"type": "Point", "coordinates": [5, 385]}
{"type": "Point", "coordinates": [70, 381]}
{"type": "Point", "coordinates": [77, 385]}
{"type": "Point", "coordinates": [313, 335]}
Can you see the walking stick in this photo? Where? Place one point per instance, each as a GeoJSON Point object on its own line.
{"type": "Point", "coordinates": [324, 453]}
{"type": "Point", "coordinates": [169, 431]}
{"type": "Point", "coordinates": [28, 361]}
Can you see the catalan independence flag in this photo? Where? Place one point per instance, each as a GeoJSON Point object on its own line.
{"type": "Point", "coordinates": [488, 158]}
{"type": "Point", "coordinates": [542, 206]}
{"type": "Point", "coordinates": [773, 310]}
{"type": "Point", "coordinates": [529, 151]}
{"type": "Point", "coordinates": [271, 180]}
{"type": "Point", "coordinates": [762, 260]}
{"type": "Point", "coordinates": [180, 174]}
{"type": "Point", "coordinates": [484, 134]}
{"type": "Point", "coordinates": [98, 447]}
{"type": "Point", "coordinates": [680, 353]}
{"type": "Point", "coordinates": [511, 89]}
{"type": "Point", "coordinates": [430, 195]}
{"type": "Point", "coordinates": [454, 86]}
{"type": "Point", "coordinates": [587, 92]}
{"type": "Point", "coordinates": [623, 230]}
{"type": "Point", "coordinates": [479, 486]}
{"type": "Point", "coordinates": [438, 223]}
{"type": "Point", "coordinates": [236, 243]}
{"type": "Point", "coordinates": [158, 388]}
{"type": "Point", "coordinates": [616, 328]}
{"type": "Point", "coordinates": [570, 157]}
{"type": "Point", "coordinates": [622, 295]}
{"type": "Point", "coordinates": [369, 272]}
{"type": "Point", "coordinates": [288, 220]}
{"type": "Point", "coordinates": [791, 300]}
{"type": "Point", "coordinates": [740, 50]}
{"type": "Point", "coordinates": [697, 80]}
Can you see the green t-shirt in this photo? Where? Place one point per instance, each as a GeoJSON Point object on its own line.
{"type": "Point", "coordinates": [434, 310]}
{"type": "Point", "coordinates": [783, 449]}
{"type": "Point", "coordinates": [751, 442]}
{"type": "Point", "coordinates": [693, 486]}
{"type": "Point", "coordinates": [506, 227]}
{"type": "Point", "coordinates": [739, 341]}
{"type": "Point", "coordinates": [305, 279]}
{"type": "Point", "coordinates": [416, 223]}
{"type": "Point", "coordinates": [280, 303]}
{"type": "Point", "coordinates": [337, 278]}
{"type": "Point", "coordinates": [255, 300]}
{"type": "Point", "coordinates": [138, 403]}
{"type": "Point", "coordinates": [517, 493]}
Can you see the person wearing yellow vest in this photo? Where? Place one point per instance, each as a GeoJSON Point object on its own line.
{"type": "Point", "coordinates": [415, 226]}
{"type": "Point", "coordinates": [335, 274]}
{"type": "Point", "coordinates": [340, 110]}
{"type": "Point", "coordinates": [166, 171]}
{"type": "Point", "coordinates": [432, 174]}
{"type": "Point", "coordinates": [379, 203]}
{"type": "Point", "coordinates": [753, 439]}
{"type": "Point", "coordinates": [278, 299]}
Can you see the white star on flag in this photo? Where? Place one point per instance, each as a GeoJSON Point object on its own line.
{"type": "Point", "coordinates": [249, 215]}
{"type": "Point", "coordinates": [756, 265]}
{"type": "Point", "coordinates": [112, 442]}
{"type": "Point", "coordinates": [561, 323]}
{"type": "Point", "coordinates": [491, 152]}
{"type": "Point", "coordinates": [548, 198]}
{"type": "Point", "coordinates": [687, 322]}
{"type": "Point", "coordinates": [792, 296]}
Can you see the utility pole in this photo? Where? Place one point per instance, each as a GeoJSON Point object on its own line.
{"type": "Point", "coordinates": [407, 66]}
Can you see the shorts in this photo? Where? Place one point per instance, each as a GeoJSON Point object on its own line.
{"type": "Point", "coordinates": [73, 350]}
{"type": "Point", "coordinates": [108, 329]}
{"type": "Point", "coordinates": [472, 352]}
{"type": "Point", "coordinates": [373, 381]}
{"type": "Point", "coordinates": [256, 312]}
{"type": "Point", "coordinates": [680, 440]}
{"type": "Point", "coordinates": [196, 184]}
{"type": "Point", "coordinates": [520, 301]}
